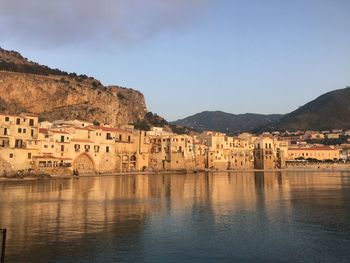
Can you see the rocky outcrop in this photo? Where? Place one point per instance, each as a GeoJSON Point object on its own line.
{"type": "Point", "coordinates": [56, 98]}
{"type": "Point", "coordinates": [53, 94]}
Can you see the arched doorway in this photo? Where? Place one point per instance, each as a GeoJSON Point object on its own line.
{"type": "Point", "coordinates": [133, 163]}
{"type": "Point", "coordinates": [5, 168]}
{"type": "Point", "coordinates": [118, 164]}
{"type": "Point", "coordinates": [125, 163]}
{"type": "Point", "coordinates": [84, 164]}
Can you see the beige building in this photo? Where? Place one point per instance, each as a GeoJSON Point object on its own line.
{"type": "Point", "coordinates": [172, 152]}
{"type": "Point", "coordinates": [270, 153]}
{"type": "Point", "coordinates": [320, 153]}
{"type": "Point", "coordinates": [17, 141]}
{"type": "Point", "coordinates": [62, 147]}
{"type": "Point", "coordinates": [225, 152]}
{"type": "Point", "coordinates": [69, 146]}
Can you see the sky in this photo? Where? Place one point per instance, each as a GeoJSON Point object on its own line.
{"type": "Point", "coordinates": [188, 56]}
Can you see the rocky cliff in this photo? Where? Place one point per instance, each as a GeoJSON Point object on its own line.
{"type": "Point", "coordinates": [26, 86]}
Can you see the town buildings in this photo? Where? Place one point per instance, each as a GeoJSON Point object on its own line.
{"type": "Point", "coordinates": [320, 153]}
{"type": "Point", "coordinates": [62, 147]}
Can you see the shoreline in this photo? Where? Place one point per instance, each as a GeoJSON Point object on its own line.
{"type": "Point", "coordinates": [67, 177]}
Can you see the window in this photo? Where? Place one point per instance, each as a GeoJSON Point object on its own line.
{"type": "Point", "coordinates": [19, 144]}
{"type": "Point", "coordinates": [120, 137]}
{"type": "Point", "coordinates": [31, 122]}
{"type": "Point", "coordinates": [46, 146]}
{"type": "Point", "coordinates": [19, 130]}
{"type": "Point", "coordinates": [108, 136]}
{"type": "Point", "coordinates": [87, 148]}
{"type": "Point", "coordinates": [32, 133]}
{"type": "Point", "coordinates": [62, 148]}
{"type": "Point", "coordinates": [129, 138]}
{"type": "Point", "coordinates": [5, 131]}
{"type": "Point", "coordinates": [7, 118]}
{"type": "Point", "coordinates": [18, 121]}
{"type": "Point", "coordinates": [29, 156]}
{"type": "Point", "coordinates": [96, 148]}
{"type": "Point", "coordinates": [62, 138]}
{"type": "Point", "coordinates": [24, 130]}
{"type": "Point", "coordinates": [107, 149]}
{"type": "Point", "coordinates": [11, 155]}
{"type": "Point", "coordinates": [77, 147]}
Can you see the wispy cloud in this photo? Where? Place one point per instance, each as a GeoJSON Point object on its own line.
{"type": "Point", "coordinates": [63, 22]}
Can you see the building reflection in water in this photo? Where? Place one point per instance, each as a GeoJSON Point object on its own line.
{"type": "Point", "coordinates": [90, 214]}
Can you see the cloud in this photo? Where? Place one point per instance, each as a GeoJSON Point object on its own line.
{"type": "Point", "coordinates": [62, 22]}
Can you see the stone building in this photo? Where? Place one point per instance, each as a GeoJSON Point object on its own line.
{"type": "Point", "coordinates": [225, 152]}
{"type": "Point", "coordinates": [17, 141]}
{"type": "Point", "coordinates": [68, 146]}
{"type": "Point", "coordinates": [270, 153]}
{"type": "Point", "coordinates": [172, 152]}
{"type": "Point", "coordinates": [320, 153]}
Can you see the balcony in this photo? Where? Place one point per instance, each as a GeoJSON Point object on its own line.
{"type": "Point", "coordinates": [4, 143]}
{"type": "Point", "coordinates": [19, 144]}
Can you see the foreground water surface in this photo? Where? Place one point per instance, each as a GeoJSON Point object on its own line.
{"type": "Point", "coordinates": [222, 217]}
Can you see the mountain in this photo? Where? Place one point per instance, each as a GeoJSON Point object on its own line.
{"type": "Point", "coordinates": [26, 86]}
{"type": "Point", "coordinates": [227, 122]}
{"type": "Point", "coordinates": [329, 111]}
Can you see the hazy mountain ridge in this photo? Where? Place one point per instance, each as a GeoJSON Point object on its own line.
{"type": "Point", "coordinates": [329, 111]}
{"type": "Point", "coordinates": [227, 122]}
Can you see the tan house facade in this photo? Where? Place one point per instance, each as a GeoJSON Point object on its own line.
{"type": "Point", "coordinates": [270, 153]}
{"type": "Point", "coordinates": [320, 153]}
{"type": "Point", "coordinates": [64, 147]}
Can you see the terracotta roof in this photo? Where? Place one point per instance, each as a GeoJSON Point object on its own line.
{"type": "Point", "coordinates": [87, 128]}
{"type": "Point", "coordinates": [19, 116]}
{"type": "Point", "coordinates": [315, 148]}
{"type": "Point", "coordinates": [110, 129]}
{"type": "Point", "coordinates": [43, 130]}
{"type": "Point", "coordinates": [30, 114]}
{"type": "Point", "coordinates": [8, 115]}
{"type": "Point", "coordinates": [59, 132]}
{"type": "Point", "coordinates": [51, 157]}
{"type": "Point", "coordinates": [81, 140]}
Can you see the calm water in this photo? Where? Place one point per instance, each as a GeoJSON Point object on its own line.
{"type": "Point", "coordinates": [224, 217]}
